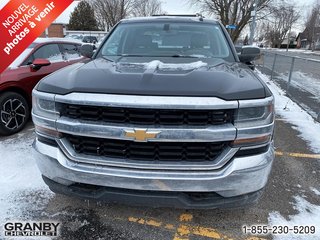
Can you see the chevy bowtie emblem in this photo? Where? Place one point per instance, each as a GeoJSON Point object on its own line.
{"type": "Point", "coordinates": [140, 135]}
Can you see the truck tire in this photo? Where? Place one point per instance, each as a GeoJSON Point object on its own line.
{"type": "Point", "coordinates": [14, 113]}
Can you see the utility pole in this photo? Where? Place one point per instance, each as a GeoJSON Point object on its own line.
{"type": "Point", "coordinates": [313, 29]}
{"type": "Point", "coordinates": [253, 23]}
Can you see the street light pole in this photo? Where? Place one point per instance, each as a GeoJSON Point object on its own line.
{"type": "Point", "coordinates": [253, 23]}
{"type": "Point", "coordinates": [288, 39]}
{"type": "Point", "coordinates": [313, 29]}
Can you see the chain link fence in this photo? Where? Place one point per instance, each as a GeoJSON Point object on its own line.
{"type": "Point", "coordinates": [298, 77]}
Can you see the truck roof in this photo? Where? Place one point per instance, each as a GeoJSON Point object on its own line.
{"type": "Point", "coordinates": [175, 18]}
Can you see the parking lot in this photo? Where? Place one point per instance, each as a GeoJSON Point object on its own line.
{"type": "Point", "coordinates": [291, 198]}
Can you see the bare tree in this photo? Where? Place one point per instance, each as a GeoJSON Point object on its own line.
{"type": "Point", "coordinates": [312, 24]}
{"type": "Point", "coordinates": [236, 12]}
{"type": "Point", "coordinates": [280, 23]}
{"type": "Point", "coordinates": [144, 8]}
{"type": "Point", "coordinates": [112, 11]}
{"type": "Point", "coordinates": [100, 19]}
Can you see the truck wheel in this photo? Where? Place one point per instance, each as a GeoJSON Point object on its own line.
{"type": "Point", "coordinates": [14, 113]}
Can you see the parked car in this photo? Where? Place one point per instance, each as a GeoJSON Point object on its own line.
{"type": "Point", "coordinates": [166, 113]}
{"type": "Point", "coordinates": [90, 39]}
{"type": "Point", "coordinates": [74, 36]}
{"type": "Point", "coordinates": [41, 58]}
{"type": "Point", "coordinates": [101, 41]}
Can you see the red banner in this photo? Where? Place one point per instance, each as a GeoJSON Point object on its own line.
{"type": "Point", "coordinates": [22, 21]}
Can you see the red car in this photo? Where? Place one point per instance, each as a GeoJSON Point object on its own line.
{"type": "Point", "coordinates": [41, 58]}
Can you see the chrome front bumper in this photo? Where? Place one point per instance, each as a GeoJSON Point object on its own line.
{"type": "Point", "coordinates": [239, 176]}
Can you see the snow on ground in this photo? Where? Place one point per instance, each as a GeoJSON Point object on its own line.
{"type": "Point", "coordinates": [293, 114]}
{"type": "Point", "coordinates": [20, 180]}
{"type": "Point", "coordinates": [315, 191]}
{"type": "Point", "coordinates": [308, 215]}
{"type": "Point", "coordinates": [303, 81]}
{"type": "Point", "coordinates": [304, 51]}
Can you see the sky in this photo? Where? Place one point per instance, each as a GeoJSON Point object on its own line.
{"type": "Point", "coordinates": [180, 7]}
{"type": "Point", "coordinates": [169, 6]}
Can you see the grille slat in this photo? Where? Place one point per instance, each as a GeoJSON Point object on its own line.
{"type": "Point", "coordinates": [147, 116]}
{"type": "Point", "coordinates": [147, 151]}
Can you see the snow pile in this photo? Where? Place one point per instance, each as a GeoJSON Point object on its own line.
{"type": "Point", "coordinates": [156, 64]}
{"type": "Point", "coordinates": [21, 186]}
{"type": "Point", "coordinates": [308, 216]}
{"type": "Point", "coordinates": [315, 191]}
{"type": "Point", "coordinates": [293, 114]}
{"type": "Point", "coordinates": [306, 82]}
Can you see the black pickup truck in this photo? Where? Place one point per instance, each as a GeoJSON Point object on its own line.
{"type": "Point", "coordinates": [166, 113]}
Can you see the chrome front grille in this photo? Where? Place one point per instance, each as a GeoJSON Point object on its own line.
{"type": "Point", "coordinates": [192, 132]}
{"type": "Point", "coordinates": [142, 116]}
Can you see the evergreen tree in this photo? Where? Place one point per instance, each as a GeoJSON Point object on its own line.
{"type": "Point", "coordinates": [83, 18]}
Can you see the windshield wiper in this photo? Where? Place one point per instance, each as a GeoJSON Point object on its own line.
{"type": "Point", "coordinates": [132, 55]}
{"type": "Point", "coordinates": [108, 59]}
{"type": "Point", "coordinates": [187, 56]}
{"type": "Point", "coordinates": [140, 55]}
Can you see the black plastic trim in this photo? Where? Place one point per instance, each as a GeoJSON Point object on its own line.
{"type": "Point", "coordinates": [184, 200]}
{"type": "Point", "coordinates": [251, 152]}
{"type": "Point", "coordinates": [47, 141]}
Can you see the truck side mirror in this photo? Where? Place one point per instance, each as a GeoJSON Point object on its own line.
{"type": "Point", "coordinates": [248, 54]}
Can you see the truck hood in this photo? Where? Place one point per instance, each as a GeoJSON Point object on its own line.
{"type": "Point", "coordinates": [164, 77]}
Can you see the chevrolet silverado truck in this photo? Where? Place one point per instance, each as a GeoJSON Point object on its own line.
{"type": "Point", "coordinates": [166, 113]}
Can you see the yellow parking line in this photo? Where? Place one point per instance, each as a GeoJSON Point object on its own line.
{"type": "Point", "coordinates": [183, 231]}
{"type": "Point", "coordinates": [185, 217]}
{"type": "Point", "coordinates": [207, 232]}
{"type": "Point", "coordinates": [298, 155]}
{"type": "Point", "coordinates": [145, 222]}
{"type": "Point", "coordinates": [256, 238]}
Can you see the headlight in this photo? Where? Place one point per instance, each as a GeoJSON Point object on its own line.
{"type": "Point", "coordinates": [254, 121]}
{"type": "Point", "coordinates": [254, 116]}
{"type": "Point", "coordinates": [44, 113]}
{"type": "Point", "coordinates": [44, 106]}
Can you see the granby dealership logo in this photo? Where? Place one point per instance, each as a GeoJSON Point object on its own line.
{"type": "Point", "coordinates": [22, 21]}
{"type": "Point", "coordinates": [31, 229]}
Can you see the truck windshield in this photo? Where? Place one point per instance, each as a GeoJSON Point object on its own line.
{"type": "Point", "coordinates": [166, 39]}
